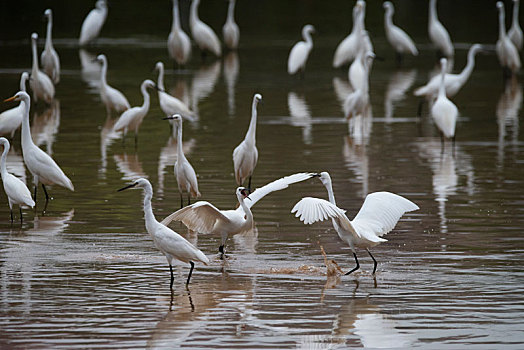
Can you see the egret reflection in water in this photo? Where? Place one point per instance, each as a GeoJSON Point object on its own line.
{"type": "Point", "coordinates": [45, 126]}
{"type": "Point", "coordinates": [399, 83]}
{"type": "Point", "coordinates": [507, 112]}
{"type": "Point", "coordinates": [203, 83]}
{"type": "Point", "coordinates": [300, 115]}
{"type": "Point", "coordinates": [130, 166]}
{"type": "Point", "coordinates": [231, 68]}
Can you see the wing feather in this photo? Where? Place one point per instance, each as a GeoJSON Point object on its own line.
{"type": "Point", "coordinates": [200, 217]}
{"type": "Point", "coordinates": [310, 210]}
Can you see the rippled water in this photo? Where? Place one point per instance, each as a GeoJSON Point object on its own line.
{"type": "Point", "coordinates": [86, 275]}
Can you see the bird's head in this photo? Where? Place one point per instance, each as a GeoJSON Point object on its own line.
{"type": "Point", "coordinates": [175, 117]}
{"type": "Point", "coordinates": [101, 58]}
{"type": "Point", "coordinates": [243, 193]}
{"type": "Point", "coordinates": [324, 178]}
{"type": "Point", "coordinates": [388, 6]}
{"type": "Point", "coordinates": [159, 65]}
{"type": "Point", "coordinates": [500, 5]}
{"type": "Point", "coordinates": [308, 28]}
{"type": "Point", "coordinates": [5, 143]}
{"type": "Point", "coordinates": [101, 4]}
{"type": "Point", "coordinates": [257, 97]}
{"type": "Point", "coordinates": [149, 84]}
{"type": "Point", "coordinates": [19, 96]}
{"type": "Point", "coordinates": [48, 13]}
{"type": "Point", "coordinates": [34, 37]}
{"type": "Point", "coordinates": [138, 183]}
{"type": "Point", "coordinates": [443, 63]}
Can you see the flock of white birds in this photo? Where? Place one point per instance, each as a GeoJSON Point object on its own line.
{"type": "Point", "coordinates": [380, 211]}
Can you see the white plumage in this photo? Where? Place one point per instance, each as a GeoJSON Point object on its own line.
{"type": "Point", "coordinates": [93, 23]}
{"type": "Point", "coordinates": [40, 83]}
{"type": "Point", "coordinates": [515, 32]}
{"type": "Point", "coordinates": [178, 43]}
{"type": "Point", "coordinates": [204, 36]}
{"type": "Point", "coordinates": [379, 214]}
{"type": "Point", "coordinates": [300, 51]}
{"type": "Point", "coordinates": [357, 102]}
{"type": "Point", "coordinates": [40, 164]}
{"type": "Point", "coordinates": [204, 217]}
{"type": "Point", "coordinates": [348, 48]}
{"type": "Point", "coordinates": [132, 118]}
{"type": "Point", "coordinates": [398, 38]}
{"type": "Point", "coordinates": [49, 58]}
{"type": "Point", "coordinates": [245, 155]}
{"type": "Point", "coordinates": [506, 51]}
{"type": "Point", "coordinates": [170, 104]}
{"type": "Point", "coordinates": [112, 98]}
{"type": "Point", "coordinates": [230, 29]}
{"type": "Point", "coordinates": [16, 191]}
{"type": "Point", "coordinates": [11, 119]}
{"type": "Point", "coordinates": [438, 35]}
{"type": "Point", "coordinates": [170, 243]}
{"type": "Point", "coordinates": [443, 111]}
{"type": "Point", "coordinates": [454, 82]}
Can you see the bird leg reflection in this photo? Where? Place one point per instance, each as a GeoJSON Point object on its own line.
{"type": "Point", "coordinates": [356, 267]}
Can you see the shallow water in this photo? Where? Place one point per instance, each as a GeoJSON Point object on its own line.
{"type": "Point", "coordinates": [85, 274]}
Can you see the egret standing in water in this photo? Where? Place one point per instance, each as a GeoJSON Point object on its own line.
{"type": "Point", "coordinates": [204, 36]}
{"type": "Point", "coordinates": [245, 155]}
{"type": "Point", "coordinates": [230, 30]}
{"type": "Point", "coordinates": [178, 43]}
{"type": "Point", "coordinates": [300, 52]}
{"type": "Point", "coordinates": [11, 119]}
{"type": "Point", "coordinates": [170, 243]}
{"type": "Point", "coordinates": [170, 104]}
{"type": "Point", "coordinates": [443, 111]}
{"type": "Point", "coordinates": [17, 192]}
{"type": "Point", "coordinates": [40, 164]}
{"type": "Point", "coordinates": [112, 98]}
{"type": "Point", "coordinates": [349, 47]}
{"type": "Point", "coordinates": [204, 217]}
{"type": "Point", "coordinates": [515, 32]}
{"type": "Point", "coordinates": [49, 57]}
{"type": "Point", "coordinates": [506, 51]}
{"type": "Point", "coordinates": [40, 83]}
{"type": "Point", "coordinates": [398, 38]}
{"type": "Point", "coordinates": [132, 118]}
{"type": "Point", "coordinates": [379, 214]}
{"type": "Point", "coordinates": [438, 35]}
{"type": "Point", "coordinates": [184, 172]}
{"type": "Point", "coordinates": [93, 23]}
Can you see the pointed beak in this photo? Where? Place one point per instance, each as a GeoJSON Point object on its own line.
{"type": "Point", "coordinates": [158, 89]}
{"type": "Point", "coordinates": [316, 175]}
{"type": "Point", "coordinates": [128, 186]}
{"type": "Point", "coordinates": [10, 99]}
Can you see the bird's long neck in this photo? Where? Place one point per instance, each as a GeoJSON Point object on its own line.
{"type": "Point", "coordinates": [307, 37]}
{"type": "Point", "coordinates": [27, 140]}
{"type": "Point", "coordinates": [442, 86]}
{"type": "Point", "coordinates": [331, 195]}
{"type": "Point", "coordinates": [176, 17]}
{"type": "Point", "coordinates": [148, 209]}
{"type": "Point", "coordinates": [433, 10]}
{"type": "Point", "coordinates": [502, 23]}
{"type": "Point", "coordinates": [103, 73]}
{"type": "Point", "coordinates": [145, 105]}
{"type": "Point", "coordinates": [48, 41]}
{"type": "Point", "coordinates": [3, 160]}
{"type": "Point", "coordinates": [388, 19]}
{"type": "Point", "coordinates": [468, 69]}
{"type": "Point", "coordinates": [355, 19]}
{"type": "Point", "coordinates": [35, 58]}
{"type": "Point", "coordinates": [193, 15]}
{"type": "Point", "coordinates": [23, 79]}
{"type": "Point", "coordinates": [252, 131]}
{"type": "Point", "coordinates": [179, 150]}
{"type": "Point", "coordinates": [247, 211]}
{"type": "Point", "coordinates": [161, 76]}
{"type": "Point", "coordinates": [516, 13]}
{"type": "Point", "coordinates": [231, 11]}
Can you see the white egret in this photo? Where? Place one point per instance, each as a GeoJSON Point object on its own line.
{"type": "Point", "coordinates": [515, 32]}
{"type": "Point", "coordinates": [178, 43]}
{"type": "Point", "coordinates": [506, 51]}
{"type": "Point", "coordinates": [398, 38]}
{"type": "Point", "coordinates": [184, 172]}
{"type": "Point", "coordinates": [454, 82]}
{"type": "Point", "coordinates": [49, 58]}
{"type": "Point", "coordinates": [40, 164]}
{"type": "Point", "coordinates": [133, 117]}
{"type": "Point", "coordinates": [230, 30]}
{"type": "Point", "coordinates": [438, 35]}
{"type": "Point", "coordinates": [11, 119]}
{"type": "Point", "coordinates": [170, 104]}
{"type": "Point", "coordinates": [40, 83]}
{"type": "Point", "coordinates": [443, 111]}
{"type": "Point", "coordinates": [93, 23]}
{"type": "Point", "coordinates": [300, 51]}
{"type": "Point", "coordinates": [357, 102]}
{"type": "Point", "coordinates": [348, 48]}
{"type": "Point", "coordinates": [245, 155]}
{"type": "Point", "coordinates": [379, 214]}
{"type": "Point", "coordinates": [204, 36]}
{"type": "Point", "coordinates": [112, 98]}
{"type": "Point", "coordinates": [358, 70]}
{"type": "Point", "coordinates": [204, 217]}
{"type": "Point", "coordinates": [170, 243]}
{"type": "Point", "coordinates": [17, 192]}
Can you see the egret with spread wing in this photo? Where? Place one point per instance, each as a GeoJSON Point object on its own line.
{"type": "Point", "coordinates": [379, 215]}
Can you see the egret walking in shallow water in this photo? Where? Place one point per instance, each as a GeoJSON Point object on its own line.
{"type": "Point", "coordinates": [204, 36]}
{"type": "Point", "coordinates": [41, 85]}
{"type": "Point", "coordinates": [170, 104]}
{"type": "Point", "coordinates": [204, 217]}
{"type": "Point", "coordinates": [17, 192]}
{"type": "Point", "coordinates": [506, 51]}
{"type": "Point", "coordinates": [300, 51]}
{"type": "Point", "coordinates": [184, 172]}
{"type": "Point", "coordinates": [438, 35]}
{"type": "Point", "coordinates": [515, 32]}
{"type": "Point", "coordinates": [49, 58]}
{"type": "Point", "coordinates": [379, 214]}
{"type": "Point", "coordinates": [398, 38]}
{"type": "Point", "coordinates": [112, 98]}
{"type": "Point", "coordinates": [170, 243]}
{"type": "Point", "coordinates": [245, 155]}
{"type": "Point", "coordinates": [93, 23]}
{"type": "Point", "coordinates": [178, 43]}
{"type": "Point", "coordinates": [349, 47]}
{"type": "Point", "coordinates": [443, 111]}
{"type": "Point", "coordinates": [40, 164]}
{"type": "Point", "coordinates": [230, 29]}
{"type": "Point", "coordinates": [11, 119]}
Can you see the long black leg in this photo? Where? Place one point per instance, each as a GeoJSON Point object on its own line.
{"type": "Point", "coordinates": [11, 215]}
{"type": "Point", "coordinates": [172, 277]}
{"type": "Point", "coordinates": [190, 272]}
{"type": "Point", "coordinates": [249, 185]}
{"type": "Point", "coordinates": [419, 109]}
{"type": "Point", "coordinates": [21, 217]}
{"type": "Point", "coordinates": [34, 194]}
{"type": "Point", "coordinates": [46, 195]}
{"type": "Point", "coordinates": [374, 261]}
{"type": "Point", "coordinates": [356, 267]}
{"type": "Point", "coordinates": [221, 250]}
{"type": "Point", "coordinates": [181, 201]}
{"type": "Point", "coordinates": [188, 198]}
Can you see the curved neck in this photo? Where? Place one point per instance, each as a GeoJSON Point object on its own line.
{"type": "Point", "coordinates": [231, 11]}
{"type": "Point", "coordinates": [179, 149]}
{"type": "Point", "coordinates": [468, 69]}
{"type": "Point", "coordinates": [103, 73]}
{"type": "Point", "coordinates": [307, 37]}
{"type": "Point", "coordinates": [48, 42]}
{"type": "Point", "coordinates": [3, 160]}
{"type": "Point", "coordinates": [193, 15]}
{"type": "Point", "coordinates": [388, 19]}
{"type": "Point", "coordinates": [252, 131]}
{"type": "Point", "coordinates": [442, 86]}
{"type": "Point", "coordinates": [27, 141]}
{"type": "Point", "coordinates": [23, 79]}
{"type": "Point", "coordinates": [433, 10]}
{"type": "Point", "coordinates": [35, 58]}
{"type": "Point", "coordinates": [502, 23]}
{"type": "Point", "coordinates": [247, 211]}
{"type": "Point", "coordinates": [143, 89]}
{"type": "Point", "coordinates": [148, 209]}
{"type": "Point", "coordinates": [331, 195]}
{"type": "Point", "coordinates": [516, 13]}
{"type": "Point", "coordinates": [161, 77]}
{"type": "Point", "coordinates": [176, 17]}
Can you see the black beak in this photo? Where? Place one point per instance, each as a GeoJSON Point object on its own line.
{"type": "Point", "coordinates": [316, 175]}
{"type": "Point", "coordinates": [128, 186]}
{"type": "Point", "coordinates": [158, 89]}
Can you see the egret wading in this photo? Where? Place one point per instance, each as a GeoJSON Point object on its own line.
{"type": "Point", "coordinates": [170, 243]}
{"type": "Point", "coordinates": [230, 30]}
{"type": "Point", "coordinates": [93, 23]}
{"type": "Point", "coordinates": [379, 214]}
{"type": "Point", "coordinates": [443, 111]}
{"type": "Point", "coordinates": [49, 58]}
{"type": "Point", "coordinates": [112, 98]}
{"type": "Point", "coordinates": [506, 51]}
{"type": "Point", "coordinates": [204, 36]}
{"type": "Point", "coordinates": [41, 85]}
{"type": "Point", "coordinates": [169, 104]}
{"type": "Point", "coordinates": [178, 43]}
{"type": "Point", "coordinates": [438, 35]}
{"type": "Point", "coordinates": [398, 38]}
{"type": "Point", "coordinates": [300, 52]}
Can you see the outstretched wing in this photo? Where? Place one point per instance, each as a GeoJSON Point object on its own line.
{"type": "Point", "coordinates": [276, 185]}
{"type": "Point", "coordinates": [200, 217]}
{"type": "Point", "coordinates": [380, 213]}
{"type": "Point", "coordinates": [311, 210]}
